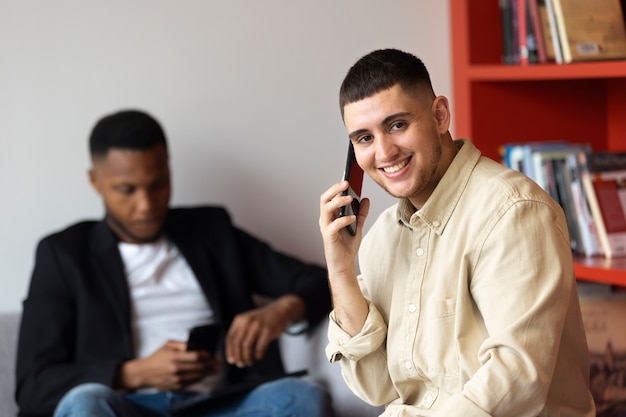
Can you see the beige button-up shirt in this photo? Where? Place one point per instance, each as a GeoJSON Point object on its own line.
{"type": "Point", "coordinates": [473, 308]}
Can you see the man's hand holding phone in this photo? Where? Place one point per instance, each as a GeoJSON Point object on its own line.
{"type": "Point", "coordinates": [341, 248]}
{"type": "Point", "coordinates": [336, 208]}
{"type": "Point", "coordinates": [171, 367]}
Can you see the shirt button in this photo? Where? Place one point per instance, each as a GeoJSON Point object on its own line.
{"type": "Point", "coordinates": [436, 223]}
{"type": "Point", "coordinates": [407, 365]}
{"type": "Point", "coordinates": [412, 308]}
{"type": "Point", "coordinates": [419, 252]}
{"type": "Point", "coordinates": [428, 398]}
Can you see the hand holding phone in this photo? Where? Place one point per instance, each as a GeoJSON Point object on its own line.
{"type": "Point", "coordinates": [204, 337]}
{"type": "Point", "coordinates": [354, 175]}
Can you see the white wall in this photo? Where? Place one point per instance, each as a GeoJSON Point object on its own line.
{"type": "Point", "coordinates": [246, 90]}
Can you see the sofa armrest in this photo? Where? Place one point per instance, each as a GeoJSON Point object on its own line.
{"type": "Point", "coordinates": [9, 326]}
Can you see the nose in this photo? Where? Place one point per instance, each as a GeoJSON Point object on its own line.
{"type": "Point", "coordinates": [145, 201]}
{"type": "Point", "coordinates": [386, 149]}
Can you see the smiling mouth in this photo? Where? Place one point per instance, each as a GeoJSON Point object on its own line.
{"type": "Point", "coordinates": [396, 168]}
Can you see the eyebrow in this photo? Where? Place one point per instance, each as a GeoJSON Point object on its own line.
{"type": "Point", "coordinates": [385, 121]}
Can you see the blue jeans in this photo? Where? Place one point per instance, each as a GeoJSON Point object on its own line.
{"type": "Point", "coordinates": [287, 397]}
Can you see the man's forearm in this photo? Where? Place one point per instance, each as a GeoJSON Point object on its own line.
{"type": "Point", "coordinates": [349, 304]}
{"type": "Point", "coordinates": [293, 307]}
{"type": "Point", "coordinates": [128, 376]}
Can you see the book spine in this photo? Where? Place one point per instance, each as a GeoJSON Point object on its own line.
{"type": "Point", "coordinates": [554, 32]}
{"type": "Point", "coordinates": [610, 196]}
{"type": "Point", "coordinates": [589, 244]}
{"type": "Point", "coordinates": [607, 161]}
{"type": "Point", "coordinates": [594, 206]}
{"type": "Point", "coordinates": [533, 8]}
{"type": "Point", "coordinates": [514, 32]}
{"type": "Point", "coordinates": [566, 51]}
{"type": "Point", "coordinates": [507, 31]}
{"type": "Point", "coordinates": [563, 182]}
{"type": "Point", "coordinates": [522, 32]}
{"type": "Point", "coordinates": [545, 30]}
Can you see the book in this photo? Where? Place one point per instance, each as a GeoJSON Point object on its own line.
{"type": "Point", "coordinates": [531, 35]}
{"type": "Point", "coordinates": [607, 161]}
{"type": "Point", "coordinates": [589, 243]}
{"type": "Point", "coordinates": [537, 31]}
{"type": "Point", "coordinates": [508, 55]}
{"type": "Point", "coordinates": [519, 155]}
{"type": "Point", "coordinates": [539, 154]}
{"type": "Point", "coordinates": [522, 32]}
{"type": "Point", "coordinates": [515, 31]}
{"type": "Point", "coordinates": [513, 156]}
{"type": "Point", "coordinates": [604, 180]}
{"type": "Point", "coordinates": [546, 32]}
{"type": "Point", "coordinates": [590, 30]}
{"type": "Point", "coordinates": [604, 319]}
{"type": "Point", "coordinates": [519, 39]}
{"type": "Point", "coordinates": [563, 190]}
{"type": "Point", "coordinates": [554, 31]}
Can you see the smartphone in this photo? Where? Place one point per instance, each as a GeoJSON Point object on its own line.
{"type": "Point", "coordinates": [204, 337]}
{"type": "Point", "coordinates": [354, 175]}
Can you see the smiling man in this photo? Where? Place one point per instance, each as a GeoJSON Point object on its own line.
{"type": "Point", "coordinates": [111, 303]}
{"type": "Point", "coordinates": [466, 301]}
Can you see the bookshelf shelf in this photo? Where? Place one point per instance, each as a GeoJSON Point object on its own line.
{"type": "Point", "coordinates": [575, 71]}
{"type": "Point", "coordinates": [600, 269]}
{"type": "Point", "coordinates": [494, 104]}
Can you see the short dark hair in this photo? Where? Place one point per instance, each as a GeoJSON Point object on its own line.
{"type": "Point", "coordinates": [380, 70]}
{"type": "Point", "coordinates": [126, 129]}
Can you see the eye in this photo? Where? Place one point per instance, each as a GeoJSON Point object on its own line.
{"type": "Point", "coordinates": [125, 189]}
{"type": "Point", "coordinates": [397, 126]}
{"type": "Point", "coordinates": [364, 139]}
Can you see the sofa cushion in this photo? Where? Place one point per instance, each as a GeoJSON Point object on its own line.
{"type": "Point", "coordinates": [9, 323]}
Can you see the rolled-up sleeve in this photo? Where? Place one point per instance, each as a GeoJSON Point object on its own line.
{"type": "Point", "coordinates": [368, 340]}
{"type": "Point", "coordinates": [363, 358]}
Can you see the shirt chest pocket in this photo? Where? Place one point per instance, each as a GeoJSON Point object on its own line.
{"type": "Point", "coordinates": [436, 347]}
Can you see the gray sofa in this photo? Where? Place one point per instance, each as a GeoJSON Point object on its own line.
{"type": "Point", "coordinates": [299, 352]}
{"type": "Point", "coordinates": [8, 345]}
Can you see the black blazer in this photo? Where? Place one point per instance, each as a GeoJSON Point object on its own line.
{"type": "Point", "coordinates": [76, 318]}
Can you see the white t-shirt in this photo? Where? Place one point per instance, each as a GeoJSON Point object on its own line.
{"type": "Point", "coordinates": [166, 299]}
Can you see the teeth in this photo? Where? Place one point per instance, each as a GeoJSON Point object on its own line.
{"type": "Point", "coordinates": [395, 168]}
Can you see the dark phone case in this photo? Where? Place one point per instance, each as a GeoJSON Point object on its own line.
{"type": "Point", "coordinates": [354, 175]}
{"type": "Point", "coordinates": [204, 338]}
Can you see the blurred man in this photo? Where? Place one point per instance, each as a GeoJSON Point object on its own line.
{"type": "Point", "coordinates": [111, 302]}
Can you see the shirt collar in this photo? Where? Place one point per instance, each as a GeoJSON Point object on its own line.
{"type": "Point", "coordinates": [441, 204]}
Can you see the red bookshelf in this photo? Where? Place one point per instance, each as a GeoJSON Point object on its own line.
{"type": "Point", "coordinates": [495, 103]}
{"type": "Point", "coordinates": [599, 269]}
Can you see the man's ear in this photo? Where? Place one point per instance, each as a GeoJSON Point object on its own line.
{"type": "Point", "coordinates": [441, 112]}
{"type": "Point", "coordinates": [95, 180]}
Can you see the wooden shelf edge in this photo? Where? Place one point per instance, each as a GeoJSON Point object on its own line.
{"type": "Point", "coordinates": [580, 70]}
